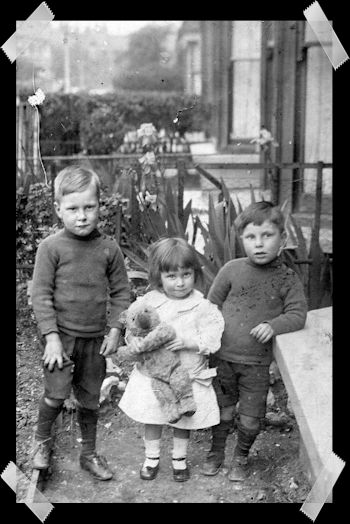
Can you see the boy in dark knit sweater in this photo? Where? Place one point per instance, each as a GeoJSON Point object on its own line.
{"type": "Point", "coordinates": [259, 297]}
{"type": "Point", "coordinates": [75, 270]}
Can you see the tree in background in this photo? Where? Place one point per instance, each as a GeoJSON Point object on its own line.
{"type": "Point", "coordinates": [66, 59]}
{"type": "Point", "coordinates": [150, 62]}
{"type": "Point", "coordinates": [26, 73]}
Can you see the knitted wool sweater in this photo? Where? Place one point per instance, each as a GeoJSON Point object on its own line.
{"type": "Point", "coordinates": [248, 294]}
{"type": "Point", "coordinates": [72, 279]}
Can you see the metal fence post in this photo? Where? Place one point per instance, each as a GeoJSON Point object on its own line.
{"type": "Point", "coordinates": [180, 189]}
{"type": "Point", "coordinates": [53, 176]}
{"type": "Point", "coordinates": [118, 223]}
{"type": "Point", "coordinates": [274, 184]}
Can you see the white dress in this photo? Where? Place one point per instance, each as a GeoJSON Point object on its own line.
{"type": "Point", "coordinates": [192, 317]}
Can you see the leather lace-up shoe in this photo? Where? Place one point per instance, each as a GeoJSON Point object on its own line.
{"type": "Point", "coordinates": [149, 473]}
{"type": "Point", "coordinates": [41, 454]}
{"type": "Point", "coordinates": [213, 463]}
{"type": "Point", "coordinates": [97, 466]}
{"type": "Point", "coordinates": [239, 470]}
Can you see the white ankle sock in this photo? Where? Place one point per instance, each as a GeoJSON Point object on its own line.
{"type": "Point", "coordinates": [179, 452]}
{"type": "Point", "coordinates": [152, 451]}
{"type": "Point", "coordinates": [151, 463]}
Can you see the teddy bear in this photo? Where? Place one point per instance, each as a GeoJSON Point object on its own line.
{"type": "Point", "coordinates": [171, 383]}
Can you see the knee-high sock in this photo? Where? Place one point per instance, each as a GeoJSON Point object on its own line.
{"type": "Point", "coordinates": [47, 416]}
{"type": "Point", "coordinates": [245, 439]}
{"type": "Point", "coordinates": [87, 419]}
{"type": "Point", "coordinates": [179, 453]}
{"type": "Point", "coordinates": [152, 451]}
{"type": "Point", "coordinates": [219, 436]}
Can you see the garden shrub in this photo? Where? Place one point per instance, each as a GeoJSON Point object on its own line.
{"type": "Point", "coordinates": [96, 124]}
{"type": "Point", "coordinates": [60, 123]}
{"type": "Point", "coordinates": [34, 220]}
{"type": "Point", "coordinates": [113, 115]}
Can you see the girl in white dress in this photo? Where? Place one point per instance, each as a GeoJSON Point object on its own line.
{"type": "Point", "coordinates": [173, 272]}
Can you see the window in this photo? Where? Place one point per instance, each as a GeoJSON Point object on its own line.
{"type": "Point", "coordinates": [246, 91]}
{"type": "Point", "coordinates": [193, 68]}
{"type": "Point", "coordinates": [318, 123]}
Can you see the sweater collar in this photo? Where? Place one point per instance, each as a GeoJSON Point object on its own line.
{"type": "Point", "coordinates": [275, 263]}
{"type": "Point", "coordinates": [94, 234]}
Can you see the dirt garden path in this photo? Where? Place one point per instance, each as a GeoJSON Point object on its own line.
{"type": "Point", "coordinates": [276, 474]}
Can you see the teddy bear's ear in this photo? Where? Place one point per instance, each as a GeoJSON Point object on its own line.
{"type": "Point", "coordinates": [123, 317]}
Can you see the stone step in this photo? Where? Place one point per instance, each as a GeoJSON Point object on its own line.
{"type": "Point", "coordinates": [307, 219]}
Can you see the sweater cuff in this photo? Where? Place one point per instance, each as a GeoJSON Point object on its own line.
{"type": "Point", "coordinates": [48, 327]}
{"type": "Point", "coordinates": [116, 324]}
{"type": "Point", "coordinates": [276, 326]}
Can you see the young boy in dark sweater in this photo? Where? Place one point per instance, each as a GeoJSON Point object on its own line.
{"type": "Point", "coordinates": [259, 297]}
{"type": "Point", "coordinates": [75, 270]}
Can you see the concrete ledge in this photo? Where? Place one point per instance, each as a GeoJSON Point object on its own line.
{"type": "Point", "coordinates": [304, 359]}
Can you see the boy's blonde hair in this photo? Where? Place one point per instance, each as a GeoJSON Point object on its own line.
{"type": "Point", "coordinates": [75, 179]}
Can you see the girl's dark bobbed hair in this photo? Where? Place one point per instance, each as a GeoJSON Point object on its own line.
{"type": "Point", "coordinates": [170, 254]}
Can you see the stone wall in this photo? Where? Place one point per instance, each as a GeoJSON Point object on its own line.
{"type": "Point", "coordinates": [304, 359]}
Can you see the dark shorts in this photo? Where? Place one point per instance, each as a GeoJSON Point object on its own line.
{"type": "Point", "coordinates": [84, 372]}
{"type": "Point", "coordinates": [243, 383]}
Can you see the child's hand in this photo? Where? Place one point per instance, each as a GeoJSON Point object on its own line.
{"type": "Point", "coordinates": [54, 352]}
{"type": "Point", "coordinates": [262, 332]}
{"type": "Point", "coordinates": [110, 342]}
{"type": "Point", "coordinates": [134, 345]}
{"type": "Point", "coordinates": [175, 345]}
{"type": "Point", "coordinates": [181, 343]}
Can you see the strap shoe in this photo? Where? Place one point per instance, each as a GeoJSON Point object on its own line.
{"type": "Point", "coordinates": [181, 475]}
{"type": "Point", "coordinates": [149, 473]}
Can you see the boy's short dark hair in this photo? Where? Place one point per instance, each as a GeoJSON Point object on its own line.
{"type": "Point", "coordinates": [257, 212]}
{"type": "Point", "coordinates": [170, 254]}
{"type": "Point", "coordinates": [75, 178]}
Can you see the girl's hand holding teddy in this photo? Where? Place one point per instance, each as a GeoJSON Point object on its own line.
{"type": "Point", "coordinates": [179, 344]}
{"type": "Point", "coordinates": [134, 344]}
